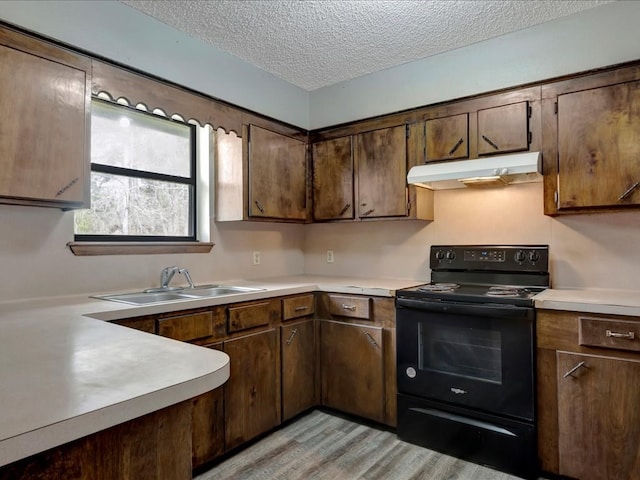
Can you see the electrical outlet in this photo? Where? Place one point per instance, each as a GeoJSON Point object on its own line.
{"type": "Point", "coordinates": [329, 256]}
{"type": "Point", "coordinates": [256, 258]}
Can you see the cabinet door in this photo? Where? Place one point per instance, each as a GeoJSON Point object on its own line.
{"type": "Point", "coordinates": [598, 148]}
{"type": "Point", "coordinates": [207, 424]}
{"type": "Point", "coordinates": [352, 374]}
{"type": "Point", "coordinates": [298, 368]}
{"type": "Point", "coordinates": [448, 138]}
{"type": "Point", "coordinates": [333, 179]}
{"type": "Point", "coordinates": [503, 129]}
{"type": "Point", "coordinates": [598, 417]}
{"type": "Point", "coordinates": [382, 173]}
{"type": "Point", "coordinates": [43, 129]}
{"type": "Point", "coordinates": [277, 175]}
{"type": "Point", "coordinates": [251, 395]}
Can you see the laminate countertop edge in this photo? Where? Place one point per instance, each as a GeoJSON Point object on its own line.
{"type": "Point", "coordinates": [599, 301]}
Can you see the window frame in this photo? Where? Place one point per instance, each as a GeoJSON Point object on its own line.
{"type": "Point", "coordinates": [191, 181]}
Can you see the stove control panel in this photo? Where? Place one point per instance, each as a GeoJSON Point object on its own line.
{"type": "Point", "coordinates": [516, 258]}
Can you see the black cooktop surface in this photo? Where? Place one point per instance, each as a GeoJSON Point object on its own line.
{"type": "Point", "coordinates": [504, 294]}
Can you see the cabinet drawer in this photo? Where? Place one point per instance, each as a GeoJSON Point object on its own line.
{"type": "Point", "coordinates": [187, 327]}
{"type": "Point", "coordinates": [609, 333]}
{"type": "Point", "coordinates": [143, 324]}
{"type": "Point", "coordinates": [348, 306]}
{"type": "Point", "coordinates": [248, 316]}
{"type": "Point", "coordinates": [297, 307]}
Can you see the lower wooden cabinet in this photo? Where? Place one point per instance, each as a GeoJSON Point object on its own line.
{"type": "Point", "coordinates": [207, 424]}
{"type": "Point", "coordinates": [298, 368]}
{"type": "Point", "coordinates": [588, 370]}
{"type": "Point", "coordinates": [352, 369]}
{"type": "Point", "coordinates": [598, 417]}
{"type": "Point", "coordinates": [252, 393]}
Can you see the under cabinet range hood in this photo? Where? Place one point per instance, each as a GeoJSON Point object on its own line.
{"type": "Point", "coordinates": [481, 172]}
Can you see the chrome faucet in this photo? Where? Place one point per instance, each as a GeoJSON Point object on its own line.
{"type": "Point", "coordinates": [168, 273]}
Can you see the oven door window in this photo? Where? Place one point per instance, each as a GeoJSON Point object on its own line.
{"type": "Point", "coordinates": [472, 353]}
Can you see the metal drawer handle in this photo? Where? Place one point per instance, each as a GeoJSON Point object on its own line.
{"type": "Point", "coordinates": [368, 212]}
{"type": "Point", "coordinates": [300, 308]}
{"type": "Point", "coordinates": [570, 372]}
{"type": "Point", "coordinates": [293, 334]}
{"type": "Point", "coordinates": [488, 140]}
{"type": "Point", "coordinates": [629, 191]}
{"type": "Point", "coordinates": [259, 205]}
{"type": "Point", "coordinates": [455, 147]}
{"type": "Point", "coordinates": [344, 210]}
{"type": "Point", "coordinates": [629, 335]}
{"type": "Point", "coordinates": [371, 340]}
{"type": "Point", "coordinates": [351, 308]}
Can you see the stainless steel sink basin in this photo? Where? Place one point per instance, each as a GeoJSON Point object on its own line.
{"type": "Point", "coordinates": [203, 291]}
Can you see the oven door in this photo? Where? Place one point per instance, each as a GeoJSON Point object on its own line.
{"type": "Point", "coordinates": [475, 355]}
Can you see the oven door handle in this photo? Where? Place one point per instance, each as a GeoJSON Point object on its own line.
{"type": "Point", "coordinates": [461, 308]}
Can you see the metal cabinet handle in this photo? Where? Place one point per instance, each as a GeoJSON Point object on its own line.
{"type": "Point", "coordinates": [293, 334]}
{"type": "Point", "coordinates": [371, 339]}
{"type": "Point", "coordinates": [259, 205]}
{"type": "Point", "coordinates": [351, 308]}
{"type": "Point", "coordinates": [629, 335]}
{"type": "Point", "coordinates": [368, 212]}
{"type": "Point", "coordinates": [456, 146]}
{"type": "Point", "coordinates": [300, 308]}
{"type": "Point", "coordinates": [570, 372]}
{"type": "Point", "coordinates": [629, 191]}
{"type": "Point", "coordinates": [344, 209]}
{"type": "Point", "coordinates": [488, 140]}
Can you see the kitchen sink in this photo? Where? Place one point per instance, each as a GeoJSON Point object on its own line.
{"type": "Point", "coordinates": [153, 296]}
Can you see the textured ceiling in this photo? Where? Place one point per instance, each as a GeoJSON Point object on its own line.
{"type": "Point", "coordinates": [316, 43]}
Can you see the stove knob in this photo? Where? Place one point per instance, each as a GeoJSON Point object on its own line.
{"type": "Point", "coordinates": [451, 255]}
{"type": "Point", "coordinates": [534, 256]}
{"type": "Point", "coordinates": [439, 255]}
{"type": "Point", "coordinates": [519, 256]}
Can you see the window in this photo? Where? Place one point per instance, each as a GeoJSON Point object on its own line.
{"type": "Point", "coordinates": [143, 177]}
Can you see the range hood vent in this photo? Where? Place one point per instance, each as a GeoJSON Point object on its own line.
{"type": "Point", "coordinates": [481, 172]}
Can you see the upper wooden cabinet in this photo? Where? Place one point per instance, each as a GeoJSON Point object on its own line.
{"type": "Point", "coordinates": [487, 128]}
{"type": "Point", "coordinates": [333, 192]}
{"type": "Point", "coordinates": [598, 147]}
{"type": "Point", "coordinates": [45, 111]}
{"type": "Point", "coordinates": [364, 176]}
{"type": "Point", "coordinates": [277, 175]}
{"type": "Point", "coordinates": [503, 129]}
{"type": "Point", "coordinates": [448, 138]}
{"type": "Point", "coordinates": [261, 176]}
{"type": "Point", "coordinates": [381, 156]}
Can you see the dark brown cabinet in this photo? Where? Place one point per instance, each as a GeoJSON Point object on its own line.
{"type": "Point", "coordinates": [598, 148]}
{"type": "Point", "coordinates": [588, 370]}
{"type": "Point", "coordinates": [44, 134]}
{"type": "Point", "coordinates": [298, 367]}
{"type": "Point", "coordinates": [333, 188]}
{"type": "Point", "coordinates": [503, 129]}
{"type": "Point", "coordinates": [207, 424]}
{"type": "Point", "coordinates": [598, 417]}
{"type": "Point", "coordinates": [277, 175]}
{"type": "Point", "coordinates": [448, 138]}
{"type": "Point", "coordinates": [381, 156]}
{"type": "Point", "coordinates": [352, 369]}
{"type": "Point", "coordinates": [251, 395]}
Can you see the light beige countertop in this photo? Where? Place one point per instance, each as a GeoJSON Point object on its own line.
{"type": "Point", "coordinates": [608, 302]}
{"type": "Point", "coordinates": [65, 374]}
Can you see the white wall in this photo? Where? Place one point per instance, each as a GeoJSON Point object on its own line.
{"type": "Point", "coordinates": [118, 32]}
{"type": "Point", "coordinates": [36, 262]}
{"type": "Point", "coordinates": [597, 37]}
{"type": "Point", "coordinates": [587, 251]}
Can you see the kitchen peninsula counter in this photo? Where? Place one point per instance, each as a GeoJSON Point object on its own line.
{"type": "Point", "coordinates": [607, 302]}
{"type": "Point", "coordinates": [66, 373]}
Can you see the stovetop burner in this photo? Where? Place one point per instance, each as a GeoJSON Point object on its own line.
{"type": "Point", "coordinates": [505, 291]}
{"type": "Point", "coordinates": [439, 287]}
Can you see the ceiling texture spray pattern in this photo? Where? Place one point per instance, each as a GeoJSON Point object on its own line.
{"type": "Point", "coordinates": [317, 43]}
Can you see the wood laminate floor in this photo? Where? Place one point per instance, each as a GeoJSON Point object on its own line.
{"type": "Point", "coordinates": [320, 446]}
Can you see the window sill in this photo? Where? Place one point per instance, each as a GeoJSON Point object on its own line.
{"type": "Point", "coordinates": [82, 249]}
